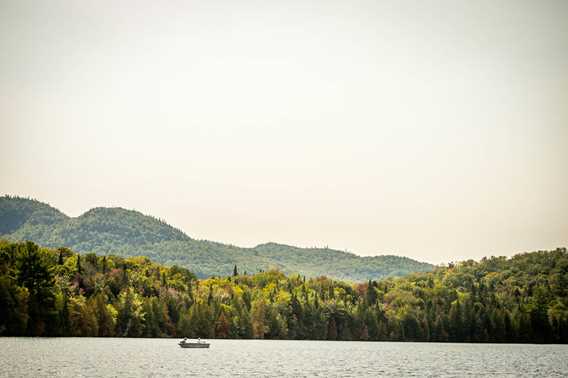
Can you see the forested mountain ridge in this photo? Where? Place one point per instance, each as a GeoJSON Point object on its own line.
{"type": "Point", "coordinates": [16, 213]}
{"type": "Point", "coordinates": [130, 233]}
{"type": "Point", "coordinates": [47, 292]}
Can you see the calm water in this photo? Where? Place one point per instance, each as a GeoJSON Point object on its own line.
{"type": "Point", "coordinates": [72, 357]}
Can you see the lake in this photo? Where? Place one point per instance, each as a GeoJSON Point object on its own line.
{"type": "Point", "coordinates": [90, 357]}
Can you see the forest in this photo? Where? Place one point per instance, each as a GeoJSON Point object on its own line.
{"type": "Point", "coordinates": [57, 292]}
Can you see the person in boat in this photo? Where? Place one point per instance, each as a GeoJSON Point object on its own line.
{"type": "Point", "coordinates": [199, 339]}
{"type": "Point", "coordinates": [184, 340]}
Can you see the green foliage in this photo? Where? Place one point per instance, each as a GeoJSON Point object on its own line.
{"type": "Point", "coordinates": [129, 233]}
{"type": "Point", "coordinates": [521, 299]}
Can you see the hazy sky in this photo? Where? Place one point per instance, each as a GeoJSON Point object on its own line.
{"type": "Point", "coordinates": [436, 130]}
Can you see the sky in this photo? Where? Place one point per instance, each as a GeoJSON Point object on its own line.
{"type": "Point", "coordinates": [434, 130]}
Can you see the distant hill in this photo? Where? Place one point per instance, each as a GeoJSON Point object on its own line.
{"type": "Point", "coordinates": [18, 214]}
{"type": "Point", "coordinates": [130, 233]}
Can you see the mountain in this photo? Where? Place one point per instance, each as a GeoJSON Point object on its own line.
{"type": "Point", "coordinates": [124, 232]}
{"type": "Point", "coordinates": [21, 213]}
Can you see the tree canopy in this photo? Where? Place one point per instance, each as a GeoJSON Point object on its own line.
{"type": "Point", "coordinates": [54, 292]}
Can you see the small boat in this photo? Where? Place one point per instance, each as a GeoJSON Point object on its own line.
{"type": "Point", "coordinates": [193, 344]}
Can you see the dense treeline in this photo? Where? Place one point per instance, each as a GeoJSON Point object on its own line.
{"type": "Point", "coordinates": [50, 292]}
{"type": "Point", "coordinates": [129, 233]}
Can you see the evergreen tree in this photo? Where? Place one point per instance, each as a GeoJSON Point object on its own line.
{"type": "Point", "coordinates": [79, 270]}
{"type": "Point", "coordinates": [34, 274]}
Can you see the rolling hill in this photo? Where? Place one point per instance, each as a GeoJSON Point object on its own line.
{"type": "Point", "coordinates": [124, 232]}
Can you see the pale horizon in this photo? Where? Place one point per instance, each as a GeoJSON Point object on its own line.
{"type": "Point", "coordinates": [433, 131]}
